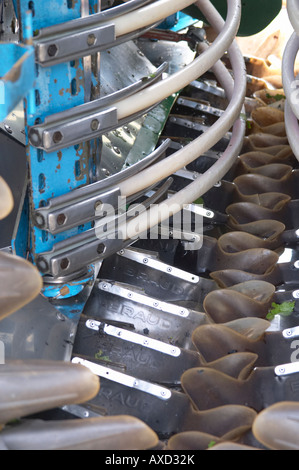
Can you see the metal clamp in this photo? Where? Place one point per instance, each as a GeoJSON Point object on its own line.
{"type": "Point", "coordinates": [87, 121]}
{"type": "Point", "coordinates": [96, 244]}
{"type": "Point", "coordinates": [82, 205]}
{"type": "Point", "coordinates": [82, 37]}
{"type": "Point", "coordinates": [132, 337]}
{"type": "Point", "coordinates": [70, 255]}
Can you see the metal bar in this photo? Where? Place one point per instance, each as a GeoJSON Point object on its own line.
{"type": "Point", "coordinates": [120, 291]}
{"type": "Point", "coordinates": [92, 19]}
{"type": "Point", "coordinates": [124, 379]}
{"type": "Point", "coordinates": [70, 255]}
{"type": "Point", "coordinates": [87, 121]}
{"type": "Point", "coordinates": [126, 335]}
{"type": "Point", "coordinates": [159, 265]}
{"type": "Point", "coordinates": [80, 206]}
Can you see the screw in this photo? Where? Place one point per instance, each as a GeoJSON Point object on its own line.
{"type": "Point", "coordinates": [101, 248]}
{"type": "Point", "coordinates": [169, 269]}
{"type": "Point", "coordinates": [39, 219]}
{"type": "Point", "coordinates": [145, 260]}
{"type": "Point", "coordinates": [98, 204]}
{"type": "Point", "coordinates": [7, 128]}
{"type": "Point", "coordinates": [116, 150]}
{"type": "Point", "coordinates": [52, 50]}
{"type": "Point", "coordinates": [91, 40]}
{"type": "Point", "coordinates": [57, 137]}
{"type": "Point", "coordinates": [42, 264]}
{"type": "Point", "coordinates": [94, 125]}
{"type": "Point", "coordinates": [61, 218]}
{"type": "Point", "coordinates": [64, 263]}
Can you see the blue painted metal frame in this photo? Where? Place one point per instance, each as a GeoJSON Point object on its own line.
{"type": "Point", "coordinates": [56, 89]}
{"type": "Point", "coordinates": [177, 21]}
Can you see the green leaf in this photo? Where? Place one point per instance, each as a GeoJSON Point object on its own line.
{"type": "Point", "coordinates": [99, 355]}
{"type": "Point", "coordinates": [211, 444]}
{"type": "Point", "coordinates": [276, 97]}
{"type": "Point", "coordinates": [199, 201]}
{"type": "Point", "coordinates": [284, 309]}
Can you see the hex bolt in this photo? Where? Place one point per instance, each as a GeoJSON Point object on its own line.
{"type": "Point", "coordinates": [39, 219]}
{"type": "Point", "coordinates": [42, 264]}
{"type": "Point", "coordinates": [57, 137]}
{"type": "Point", "coordinates": [52, 50]}
{"type": "Point", "coordinates": [35, 138]}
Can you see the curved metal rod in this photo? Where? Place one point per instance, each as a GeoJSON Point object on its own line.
{"type": "Point", "coordinates": [293, 13]}
{"type": "Point", "coordinates": [97, 188]}
{"type": "Point", "coordinates": [94, 19]}
{"type": "Point", "coordinates": [292, 129]}
{"type": "Point", "coordinates": [172, 84]}
{"type": "Point", "coordinates": [68, 255]}
{"type": "Point", "coordinates": [218, 170]}
{"type": "Point", "coordinates": [209, 138]}
{"type": "Point", "coordinates": [288, 74]}
{"type": "Point", "coordinates": [42, 135]}
{"type": "Point", "coordinates": [79, 38]}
